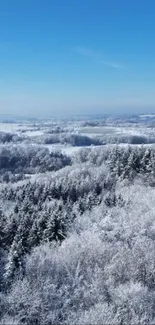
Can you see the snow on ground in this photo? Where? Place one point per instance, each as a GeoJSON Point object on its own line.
{"type": "Point", "coordinates": [31, 130]}
{"type": "Point", "coordinates": [147, 115]}
{"type": "Point", "coordinates": [68, 150]}
{"type": "Point", "coordinates": [20, 129]}
{"type": "Point", "coordinates": [116, 130]}
{"type": "Point", "coordinates": [33, 133]}
{"type": "Point", "coordinates": [97, 130]}
{"type": "Point", "coordinates": [10, 128]}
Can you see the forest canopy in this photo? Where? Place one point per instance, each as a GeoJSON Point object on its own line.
{"type": "Point", "coordinates": [77, 236]}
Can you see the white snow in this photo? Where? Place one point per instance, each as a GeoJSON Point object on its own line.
{"type": "Point", "coordinates": [147, 115]}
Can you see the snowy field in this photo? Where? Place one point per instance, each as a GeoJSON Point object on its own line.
{"type": "Point", "coordinates": [109, 134]}
{"type": "Point", "coordinates": [19, 129]}
{"type": "Point", "coordinates": [113, 130]}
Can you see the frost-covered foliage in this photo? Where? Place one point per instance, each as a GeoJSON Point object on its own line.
{"type": "Point", "coordinates": [77, 245]}
{"type": "Point", "coordinates": [30, 160]}
{"type": "Point", "coordinates": [123, 162]}
{"type": "Point", "coordinates": [10, 137]}
{"type": "Point", "coordinates": [70, 139]}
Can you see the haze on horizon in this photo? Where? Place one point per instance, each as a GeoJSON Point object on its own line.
{"type": "Point", "coordinates": [77, 57]}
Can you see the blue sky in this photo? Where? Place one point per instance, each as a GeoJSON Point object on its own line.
{"type": "Point", "coordinates": [77, 56]}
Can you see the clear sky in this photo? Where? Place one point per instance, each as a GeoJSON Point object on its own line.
{"type": "Point", "coordinates": [77, 56]}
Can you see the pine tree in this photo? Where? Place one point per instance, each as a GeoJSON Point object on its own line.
{"type": "Point", "coordinates": [15, 259]}
{"type": "Point", "coordinates": [3, 230]}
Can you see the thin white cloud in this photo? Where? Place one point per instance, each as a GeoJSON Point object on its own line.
{"type": "Point", "coordinates": [112, 64]}
{"type": "Point", "coordinates": [98, 57]}
{"type": "Point", "coordinates": [87, 52]}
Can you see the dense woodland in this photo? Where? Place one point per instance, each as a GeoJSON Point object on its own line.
{"type": "Point", "coordinates": [77, 236]}
{"type": "Point", "coordinates": [63, 136]}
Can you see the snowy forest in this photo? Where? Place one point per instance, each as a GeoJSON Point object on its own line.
{"type": "Point", "coordinates": [77, 228]}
